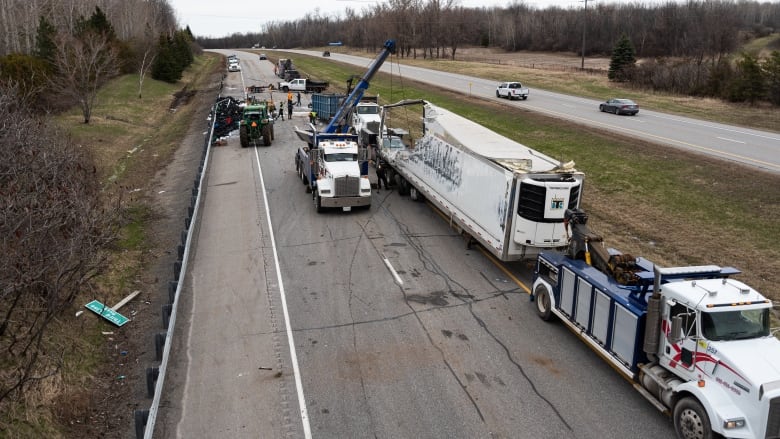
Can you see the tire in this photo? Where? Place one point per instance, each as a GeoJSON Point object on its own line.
{"type": "Point", "coordinates": [543, 303]}
{"type": "Point", "coordinates": [267, 135]}
{"type": "Point", "coordinates": [497, 94]}
{"type": "Point", "coordinates": [285, 89]}
{"type": "Point", "coordinates": [525, 98]}
{"type": "Point", "coordinates": [273, 137]}
{"type": "Point", "coordinates": [415, 195]}
{"type": "Point", "coordinates": [691, 420]}
{"type": "Point", "coordinates": [601, 108]}
{"type": "Point", "coordinates": [318, 203]}
{"type": "Point", "coordinates": [617, 111]}
{"type": "Point", "coordinates": [402, 184]}
{"type": "Point", "coordinates": [243, 136]}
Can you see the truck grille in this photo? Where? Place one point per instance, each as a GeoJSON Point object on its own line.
{"type": "Point", "coordinates": [773, 423]}
{"type": "Point", "coordinates": [347, 186]}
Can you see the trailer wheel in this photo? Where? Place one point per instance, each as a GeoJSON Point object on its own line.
{"type": "Point", "coordinates": [415, 195]}
{"type": "Point", "coordinates": [402, 184]}
{"type": "Point", "coordinates": [691, 420]}
{"type": "Point", "coordinates": [543, 303]}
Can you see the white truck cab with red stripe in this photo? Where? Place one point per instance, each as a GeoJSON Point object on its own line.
{"type": "Point", "coordinates": [695, 342]}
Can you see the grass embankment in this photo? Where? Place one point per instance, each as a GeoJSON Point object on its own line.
{"type": "Point", "coordinates": [672, 207]}
{"type": "Point", "coordinates": [130, 138]}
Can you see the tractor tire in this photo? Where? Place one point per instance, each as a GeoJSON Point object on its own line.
{"type": "Point", "coordinates": [272, 133]}
{"type": "Point", "coordinates": [243, 136]}
{"type": "Point", "coordinates": [267, 135]}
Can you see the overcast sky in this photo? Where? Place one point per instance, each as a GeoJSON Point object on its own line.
{"type": "Point", "coordinates": [222, 18]}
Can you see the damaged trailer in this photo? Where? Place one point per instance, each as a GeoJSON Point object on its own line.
{"type": "Point", "coordinates": [504, 195]}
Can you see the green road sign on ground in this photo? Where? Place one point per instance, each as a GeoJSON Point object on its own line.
{"type": "Point", "coordinates": [107, 313]}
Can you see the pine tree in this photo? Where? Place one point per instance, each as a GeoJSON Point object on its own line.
{"type": "Point", "coordinates": [771, 68]}
{"type": "Point", "coordinates": [45, 46]}
{"type": "Point", "coordinates": [623, 61]}
{"type": "Point", "coordinates": [748, 84]}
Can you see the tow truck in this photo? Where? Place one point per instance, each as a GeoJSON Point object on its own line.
{"type": "Point", "coordinates": [332, 165]}
{"type": "Point", "coordinates": [695, 342]}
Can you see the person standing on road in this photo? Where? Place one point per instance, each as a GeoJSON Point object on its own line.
{"type": "Point", "coordinates": [381, 174]}
{"type": "Point", "coordinates": [289, 97]}
{"type": "Point", "coordinates": [281, 109]}
{"type": "Point", "coordinates": [298, 102]}
{"type": "Point", "coordinates": [289, 109]}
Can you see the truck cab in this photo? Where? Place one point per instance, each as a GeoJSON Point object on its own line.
{"type": "Point", "coordinates": [331, 169]}
{"type": "Point", "coordinates": [716, 339]}
{"type": "Point", "coordinates": [365, 121]}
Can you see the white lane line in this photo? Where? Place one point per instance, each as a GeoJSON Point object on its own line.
{"type": "Point", "coordinates": [392, 271]}
{"type": "Point", "coordinates": [730, 140]}
{"type": "Point", "coordinates": [288, 328]}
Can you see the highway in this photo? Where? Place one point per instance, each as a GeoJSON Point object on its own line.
{"type": "Point", "coordinates": [371, 323]}
{"type": "Point", "coordinates": [754, 148]}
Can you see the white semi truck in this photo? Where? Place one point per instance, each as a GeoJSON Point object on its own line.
{"type": "Point", "coordinates": [502, 194]}
{"type": "Point", "coordinates": [695, 343]}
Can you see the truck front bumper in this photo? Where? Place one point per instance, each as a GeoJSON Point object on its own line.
{"type": "Point", "coordinates": [345, 201]}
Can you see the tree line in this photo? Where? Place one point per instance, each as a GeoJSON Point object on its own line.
{"type": "Point", "coordinates": [685, 47]}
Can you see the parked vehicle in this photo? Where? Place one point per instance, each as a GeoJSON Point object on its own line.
{"type": "Point", "coordinates": [234, 67]}
{"type": "Point", "coordinates": [693, 341]}
{"type": "Point", "coordinates": [497, 192]}
{"type": "Point", "coordinates": [303, 85]}
{"type": "Point", "coordinates": [620, 106]}
{"type": "Point", "coordinates": [263, 56]}
{"type": "Point", "coordinates": [512, 90]}
{"type": "Point", "coordinates": [326, 53]}
{"type": "Point", "coordinates": [283, 68]}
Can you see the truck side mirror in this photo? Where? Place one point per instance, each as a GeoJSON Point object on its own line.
{"type": "Point", "coordinates": [675, 336]}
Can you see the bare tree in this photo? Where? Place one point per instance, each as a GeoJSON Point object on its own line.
{"type": "Point", "coordinates": [54, 228]}
{"type": "Point", "coordinates": [84, 64]}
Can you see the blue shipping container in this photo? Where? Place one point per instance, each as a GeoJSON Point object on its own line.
{"type": "Point", "coordinates": [326, 105]}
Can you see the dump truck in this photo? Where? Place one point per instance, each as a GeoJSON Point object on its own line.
{"type": "Point", "coordinates": [693, 341]}
{"type": "Point", "coordinates": [497, 192]}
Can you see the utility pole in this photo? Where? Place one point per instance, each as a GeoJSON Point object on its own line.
{"type": "Point", "coordinates": [584, 26]}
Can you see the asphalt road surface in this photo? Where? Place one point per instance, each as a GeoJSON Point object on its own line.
{"type": "Point", "coordinates": [371, 323]}
{"type": "Point", "coordinates": [754, 148]}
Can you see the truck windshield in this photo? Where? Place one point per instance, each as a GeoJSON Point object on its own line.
{"type": "Point", "coordinates": [368, 110]}
{"type": "Point", "coordinates": [341, 157]}
{"type": "Point", "coordinates": [735, 325]}
{"type": "Point", "coordinates": [393, 142]}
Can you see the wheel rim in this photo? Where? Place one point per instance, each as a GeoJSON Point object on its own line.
{"type": "Point", "coordinates": [543, 302]}
{"type": "Point", "coordinates": [691, 426]}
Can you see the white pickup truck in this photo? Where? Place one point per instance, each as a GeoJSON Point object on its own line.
{"type": "Point", "coordinates": [511, 90]}
{"type": "Point", "coordinates": [303, 85]}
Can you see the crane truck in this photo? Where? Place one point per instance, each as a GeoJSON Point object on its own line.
{"type": "Point", "coordinates": [502, 194]}
{"type": "Point", "coordinates": [332, 165]}
{"type": "Point", "coordinates": [695, 342]}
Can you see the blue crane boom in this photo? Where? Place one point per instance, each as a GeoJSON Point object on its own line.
{"type": "Point", "coordinates": [337, 122]}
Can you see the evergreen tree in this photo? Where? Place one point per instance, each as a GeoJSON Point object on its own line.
{"type": "Point", "coordinates": [45, 46]}
{"type": "Point", "coordinates": [165, 67]}
{"type": "Point", "coordinates": [748, 83]}
{"type": "Point", "coordinates": [97, 23]}
{"type": "Point", "coordinates": [771, 68]}
{"type": "Point", "coordinates": [623, 60]}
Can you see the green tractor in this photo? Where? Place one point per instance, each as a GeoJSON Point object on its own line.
{"type": "Point", "coordinates": [256, 122]}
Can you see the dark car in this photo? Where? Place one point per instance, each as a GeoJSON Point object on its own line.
{"type": "Point", "coordinates": [620, 106]}
{"type": "Point", "coordinates": [262, 56]}
{"type": "Point", "coordinates": [326, 53]}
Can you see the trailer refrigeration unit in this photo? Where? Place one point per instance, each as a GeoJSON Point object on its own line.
{"type": "Point", "coordinates": [504, 195]}
{"type": "Point", "coordinates": [695, 343]}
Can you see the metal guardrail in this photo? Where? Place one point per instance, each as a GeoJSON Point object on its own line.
{"type": "Point", "coordinates": [144, 419]}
